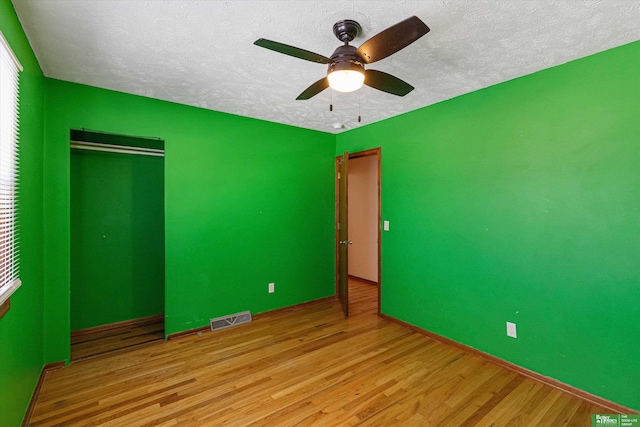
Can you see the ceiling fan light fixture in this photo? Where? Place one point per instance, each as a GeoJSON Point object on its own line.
{"type": "Point", "coordinates": [346, 80]}
{"type": "Point", "coordinates": [346, 75]}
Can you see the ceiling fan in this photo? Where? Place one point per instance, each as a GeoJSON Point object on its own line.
{"type": "Point", "coordinates": [346, 71]}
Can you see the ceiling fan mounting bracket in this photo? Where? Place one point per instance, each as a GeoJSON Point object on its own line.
{"type": "Point", "coordinates": [346, 30]}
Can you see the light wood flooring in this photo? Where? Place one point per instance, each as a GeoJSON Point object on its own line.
{"type": "Point", "coordinates": [303, 367]}
{"type": "Point", "coordinates": [99, 342]}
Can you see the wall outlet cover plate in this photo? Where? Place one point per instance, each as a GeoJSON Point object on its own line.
{"type": "Point", "coordinates": [511, 330]}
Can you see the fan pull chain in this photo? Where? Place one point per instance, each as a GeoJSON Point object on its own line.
{"type": "Point", "coordinates": [359, 118]}
{"type": "Point", "coordinates": [331, 100]}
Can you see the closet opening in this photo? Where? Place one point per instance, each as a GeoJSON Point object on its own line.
{"type": "Point", "coordinates": [117, 242]}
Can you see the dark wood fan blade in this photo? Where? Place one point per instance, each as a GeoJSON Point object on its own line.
{"type": "Point", "coordinates": [386, 83]}
{"type": "Point", "coordinates": [392, 40]}
{"type": "Point", "coordinates": [314, 89]}
{"type": "Point", "coordinates": [296, 52]}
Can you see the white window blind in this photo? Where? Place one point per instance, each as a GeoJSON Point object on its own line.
{"type": "Point", "coordinates": [9, 242]}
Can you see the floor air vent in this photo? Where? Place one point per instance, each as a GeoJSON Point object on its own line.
{"type": "Point", "coordinates": [230, 320]}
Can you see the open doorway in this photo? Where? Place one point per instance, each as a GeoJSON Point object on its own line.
{"type": "Point", "coordinates": [358, 242]}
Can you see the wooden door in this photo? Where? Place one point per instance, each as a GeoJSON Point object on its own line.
{"type": "Point", "coordinates": [343, 234]}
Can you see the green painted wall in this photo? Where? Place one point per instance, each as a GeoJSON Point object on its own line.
{"type": "Point", "coordinates": [521, 203]}
{"type": "Point", "coordinates": [247, 202]}
{"type": "Point", "coordinates": [21, 340]}
{"type": "Point", "coordinates": [515, 203]}
{"type": "Point", "coordinates": [117, 237]}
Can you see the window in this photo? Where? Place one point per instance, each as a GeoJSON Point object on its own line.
{"type": "Point", "coordinates": [9, 251]}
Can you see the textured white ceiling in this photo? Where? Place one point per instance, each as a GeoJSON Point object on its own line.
{"type": "Point", "coordinates": [201, 53]}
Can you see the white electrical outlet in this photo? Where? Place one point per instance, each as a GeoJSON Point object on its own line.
{"type": "Point", "coordinates": [385, 225]}
{"type": "Point", "coordinates": [272, 288]}
{"type": "Point", "coordinates": [511, 330]}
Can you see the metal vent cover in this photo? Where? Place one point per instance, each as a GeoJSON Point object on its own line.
{"type": "Point", "coordinates": [230, 320]}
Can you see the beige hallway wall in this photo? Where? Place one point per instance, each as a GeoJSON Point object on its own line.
{"type": "Point", "coordinates": [363, 217]}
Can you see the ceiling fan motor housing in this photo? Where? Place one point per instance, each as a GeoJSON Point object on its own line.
{"type": "Point", "coordinates": [345, 58]}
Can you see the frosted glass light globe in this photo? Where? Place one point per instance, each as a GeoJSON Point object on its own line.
{"type": "Point", "coordinates": [346, 80]}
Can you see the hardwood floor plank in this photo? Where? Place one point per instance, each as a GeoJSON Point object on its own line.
{"type": "Point", "coordinates": [300, 367]}
{"type": "Point", "coordinates": [106, 339]}
{"type": "Point", "coordinates": [512, 401]}
{"type": "Point", "coordinates": [475, 401]}
{"type": "Point", "coordinates": [530, 396]}
{"type": "Point", "coordinates": [539, 417]}
{"type": "Point", "coordinates": [583, 412]}
{"type": "Point", "coordinates": [493, 402]}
